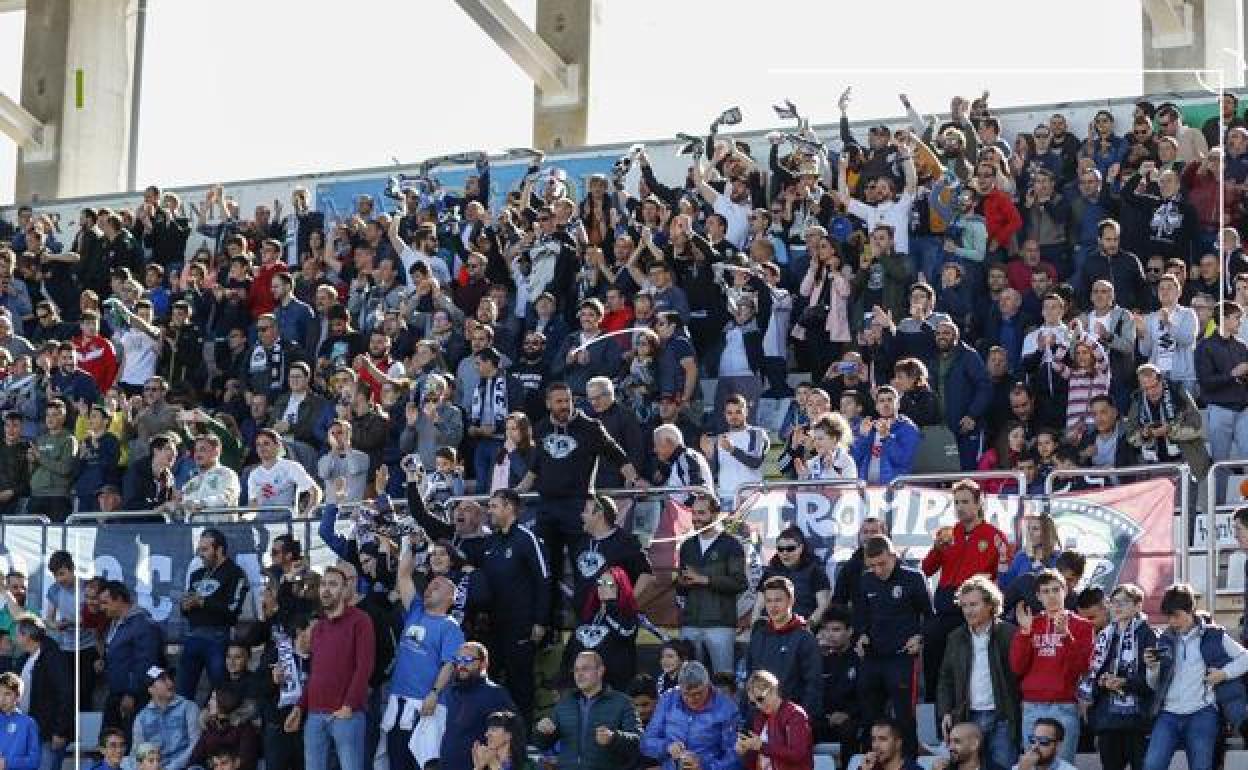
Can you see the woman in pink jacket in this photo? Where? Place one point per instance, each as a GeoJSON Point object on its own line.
{"type": "Point", "coordinates": [824, 324]}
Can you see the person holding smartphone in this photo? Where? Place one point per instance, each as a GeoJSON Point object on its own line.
{"type": "Point", "coordinates": [1194, 672]}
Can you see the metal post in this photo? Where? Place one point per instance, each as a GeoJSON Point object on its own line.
{"type": "Point", "coordinates": [136, 91]}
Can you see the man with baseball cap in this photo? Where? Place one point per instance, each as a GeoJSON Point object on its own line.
{"type": "Point", "coordinates": [168, 720]}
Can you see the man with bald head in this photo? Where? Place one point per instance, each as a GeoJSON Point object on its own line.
{"type": "Point", "coordinates": [424, 662]}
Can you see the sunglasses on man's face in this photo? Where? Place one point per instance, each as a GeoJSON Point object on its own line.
{"type": "Point", "coordinates": [1041, 740]}
{"type": "Point", "coordinates": [464, 660]}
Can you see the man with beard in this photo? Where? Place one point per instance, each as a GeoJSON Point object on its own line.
{"type": "Point", "coordinates": [470, 699]}
{"type": "Point", "coordinates": [1121, 268]}
{"type": "Point", "coordinates": [570, 447]}
{"type": "Point", "coordinates": [337, 690]}
{"type": "Point", "coordinates": [965, 743]}
{"type": "Point", "coordinates": [963, 389]}
{"type": "Point", "coordinates": [295, 320]}
{"type": "Point", "coordinates": [605, 545]}
{"type": "Point", "coordinates": [532, 372]}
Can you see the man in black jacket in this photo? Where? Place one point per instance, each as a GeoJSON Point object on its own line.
{"type": "Point", "coordinates": [841, 705]}
{"type": "Point", "coordinates": [1222, 371]}
{"type": "Point", "coordinates": [14, 465]}
{"type": "Point", "coordinates": [570, 448]}
{"type": "Point", "coordinates": [211, 605]}
{"type": "Point", "coordinates": [519, 578]}
{"type": "Point", "coordinates": [892, 606]}
{"type": "Point", "coordinates": [47, 696]}
{"type": "Point", "coordinates": [1121, 268]}
{"type": "Point", "coordinates": [621, 424]}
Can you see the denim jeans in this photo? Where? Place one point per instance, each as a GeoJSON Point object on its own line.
{"type": "Point", "coordinates": [927, 254]}
{"type": "Point", "coordinates": [719, 644]}
{"type": "Point", "coordinates": [346, 736]}
{"type": "Point", "coordinates": [1065, 713]}
{"type": "Point", "coordinates": [999, 746]}
{"type": "Point", "coordinates": [1228, 433]}
{"type": "Point", "coordinates": [201, 649]}
{"type": "Point", "coordinates": [50, 758]}
{"type": "Point", "coordinates": [1196, 732]}
{"type": "Point", "coordinates": [483, 462]}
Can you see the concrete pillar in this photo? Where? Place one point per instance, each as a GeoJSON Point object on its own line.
{"type": "Point", "coordinates": [562, 120]}
{"type": "Point", "coordinates": [1217, 27]}
{"type": "Point", "coordinates": [86, 149]}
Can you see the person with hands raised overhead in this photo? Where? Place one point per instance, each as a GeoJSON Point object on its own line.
{"type": "Point", "coordinates": [1049, 654]}
{"type": "Point", "coordinates": [424, 663]}
{"type": "Point", "coordinates": [595, 726]}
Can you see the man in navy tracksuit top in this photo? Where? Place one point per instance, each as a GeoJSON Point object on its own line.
{"type": "Point", "coordinates": [518, 575]}
{"type": "Point", "coordinates": [892, 607]}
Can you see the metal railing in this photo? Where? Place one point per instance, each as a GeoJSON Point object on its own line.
{"type": "Point", "coordinates": [1214, 547]}
{"type": "Point", "coordinates": [98, 516]}
{"type": "Point", "coordinates": [286, 510]}
{"type": "Point", "coordinates": [765, 486]}
{"type": "Point", "coordinates": [636, 493]}
{"type": "Point", "coordinates": [1181, 470]}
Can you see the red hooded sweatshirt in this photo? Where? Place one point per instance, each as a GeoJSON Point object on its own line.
{"type": "Point", "coordinates": [1049, 665]}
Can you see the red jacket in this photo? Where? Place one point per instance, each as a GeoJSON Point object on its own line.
{"type": "Point", "coordinates": [788, 744]}
{"type": "Point", "coordinates": [985, 551]}
{"type": "Point", "coordinates": [1001, 218]}
{"type": "Point", "coordinates": [1048, 665]}
{"type": "Point", "coordinates": [97, 358]}
{"type": "Point", "coordinates": [260, 299]}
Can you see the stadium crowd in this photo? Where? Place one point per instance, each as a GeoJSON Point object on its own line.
{"type": "Point", "coordinates": [1059, 299]}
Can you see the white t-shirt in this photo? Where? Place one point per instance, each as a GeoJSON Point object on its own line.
{"type": "Point", "coordinates": [895, 213]}
{"type": "Point", "coordinates": [738, 218]}
{"type": "Point", "coordinates": [140, 353]}
{"type": "Point", "coordinates": [279, 485]}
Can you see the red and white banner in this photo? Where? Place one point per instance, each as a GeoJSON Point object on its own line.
{"type": "Point", "coordinates": [1126, 532]}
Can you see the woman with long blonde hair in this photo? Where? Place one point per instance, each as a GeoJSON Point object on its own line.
{"type": "Point", "coordinates": [1041, 550]}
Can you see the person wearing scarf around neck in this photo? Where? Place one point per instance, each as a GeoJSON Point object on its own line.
{"type": "Point", "coordinates": [1114, 693]}
{"type": "Point", "coordinates": [1165, 424]}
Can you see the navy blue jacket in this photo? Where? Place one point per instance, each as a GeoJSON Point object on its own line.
{"type": "Point", "coordinates": [131, 651]}
{"type": "Point", "coordinates": [891, 611]}
{"type": "Point", "coordinates": [518, 574]}
{"type": "Point", "coordinates": [468, 703]}
{"type": "Point", "coordinates": [966, 390]}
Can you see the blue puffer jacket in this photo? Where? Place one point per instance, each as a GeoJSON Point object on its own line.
{"type": "Point", "coordinates": [19, 741]}
{"type": "Point", "coordinates": [132, 649]}
{"type": "Point", "coordinates": [711, 734]}
{"type": "Point", "coordinates": [897, 451]}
